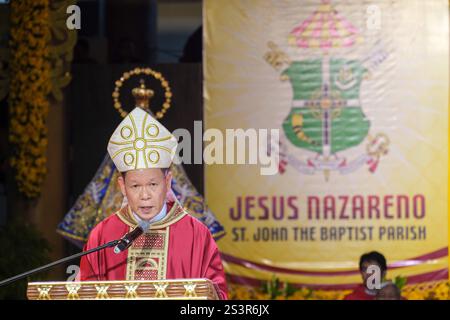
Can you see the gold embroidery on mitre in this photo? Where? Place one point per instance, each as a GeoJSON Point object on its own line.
{"type": "Point", "coordinates": [139, 136]}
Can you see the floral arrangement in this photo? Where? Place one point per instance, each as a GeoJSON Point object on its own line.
{"type": "Point", "coordinates": [30, 84]}
{"type": "Point", "coordinates": [438, 290]}
{"type": "Point", "coordinates": [274, 289]}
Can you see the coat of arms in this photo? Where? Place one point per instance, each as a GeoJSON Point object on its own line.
{"type": "Point", "coordinates": [327, 117]}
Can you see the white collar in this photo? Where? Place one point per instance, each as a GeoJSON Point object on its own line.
{"type": "Point", "coordinates": [370, 292]}
{"type": "Point", "coordinates": [156, 218]}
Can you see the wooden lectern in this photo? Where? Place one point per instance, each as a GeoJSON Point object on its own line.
{"type": "Point", "coordinates": [182, 289]}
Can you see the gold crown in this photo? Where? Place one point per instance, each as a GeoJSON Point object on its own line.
{"type": "Point", "coordinates": [142, 95]}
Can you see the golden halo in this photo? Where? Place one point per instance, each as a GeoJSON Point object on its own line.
{"type": "Point", "coordinates": [149, 72]}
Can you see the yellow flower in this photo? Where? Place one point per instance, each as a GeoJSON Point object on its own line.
{"type": "Point", "coordinates": [414, 295]}
{"type": "Point", "coordinates": [261, 296]}
{"type": "Point", "coordinates": [441, 291]}
{"type": "Point", "coordinates": [29, 85]}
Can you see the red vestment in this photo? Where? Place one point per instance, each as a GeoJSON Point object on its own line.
{"type": "Point", "coordinates": [176, 247]}
{"type": "Point", "coordinates": [360, 293]}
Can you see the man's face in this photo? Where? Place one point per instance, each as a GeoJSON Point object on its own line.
{"type": "Point", "coordinates": [365, 274]}
{"type": "Point", "coordinates": [145, 190]}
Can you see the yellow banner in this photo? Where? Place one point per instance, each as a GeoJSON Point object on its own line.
{"type": "Point", "coordinates": [359, 94]}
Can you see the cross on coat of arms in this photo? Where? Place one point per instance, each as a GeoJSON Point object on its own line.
{"type": "Point", "coordinates": [326, 116]}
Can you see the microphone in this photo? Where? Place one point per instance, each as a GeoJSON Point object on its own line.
{"type": "Point", "coordinates": [128, 239]}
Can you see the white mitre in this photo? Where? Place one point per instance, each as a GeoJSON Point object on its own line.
{"type": "Point", "coordinates": [141, 142]}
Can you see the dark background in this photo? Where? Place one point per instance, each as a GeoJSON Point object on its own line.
{"type": "Point", "coordinates": [115, 36]}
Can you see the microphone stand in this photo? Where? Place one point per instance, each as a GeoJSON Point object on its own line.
{"type": "Point", "coordinates": [50, 265]}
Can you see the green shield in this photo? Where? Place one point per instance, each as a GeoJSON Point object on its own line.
{"type": "Point", "coordinates": [335, 98]}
